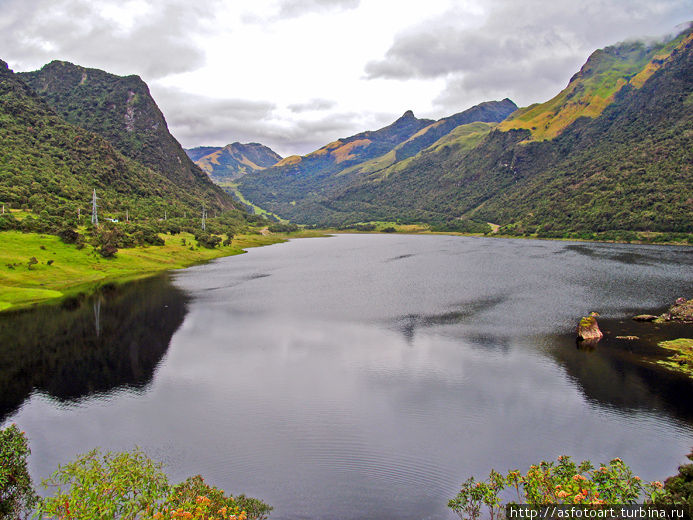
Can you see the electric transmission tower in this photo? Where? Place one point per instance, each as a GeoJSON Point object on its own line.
{"type": "Point", "coordinates": [94, 215]}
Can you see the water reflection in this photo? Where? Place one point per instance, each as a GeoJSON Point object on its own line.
{"type": "Point", "coordinates": [623, 374]}
{"type": "Point", "coordinates": [461, 313]}
{"type": "Point", "coordinates": [84, 346]}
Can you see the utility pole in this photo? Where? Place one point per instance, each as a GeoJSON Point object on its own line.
{"type": "Point", "coordinates": [79, 214]}
{"type": "Point", "coordinates": [94, 215]}
{"type": "Point", "coordinates": [165, 215]}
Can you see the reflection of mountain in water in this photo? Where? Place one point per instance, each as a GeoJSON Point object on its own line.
{"type": "Point", "coordinates": [623, 374]}
{"type": "Point", "coordinates": [113, 339]}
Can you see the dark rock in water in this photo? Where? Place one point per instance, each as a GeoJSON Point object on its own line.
{"type": "Point", "coordinates": [588, 329]}
{"type": "Point", "coordinates": [681, 312]}
{"type": "Point", "coordinates": [645, 317]}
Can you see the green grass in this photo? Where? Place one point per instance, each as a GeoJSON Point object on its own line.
{"type": "Point", "coordinates": [682, 358]}
{"type": "Point", "coordinates": [82, 270]}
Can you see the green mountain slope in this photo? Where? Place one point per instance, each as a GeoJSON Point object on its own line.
{"type": "Point", "coordinates": [296, 186]}
{"type": "Point", "coordinates": [594, 87]}
{"type": "Point", "coordinates": [48, 164]}
{"type": "Point", "coordinates": [121, 110]}
{"type": "Point", "coordinates": [233, 160]}
{"type": "Point", "coordinates": [628, 167]}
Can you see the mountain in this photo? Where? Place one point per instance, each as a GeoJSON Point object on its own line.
{"type": "Point", "coordinates": [612, 151]}
{"type": "Point", "coordinates": [295, 184]}
{"type": "Point", "coordinates": [233, 160]}
{"type": "Point", "coordinates": [199, 152]}
{"type": "Point", "coordinates": [49, 164]}
{"type": "Point", "coordinates": [122, 110]}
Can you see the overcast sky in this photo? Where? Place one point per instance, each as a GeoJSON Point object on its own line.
{"type": "Point", "coordinates": [297, 74]}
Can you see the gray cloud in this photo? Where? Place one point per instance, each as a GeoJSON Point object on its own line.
{"type": "Point", "coordinates": [525, 50]}
{"type": "Point", "coordinates": [196, 120]}
{"type": "Point", "coordinates": [312, 105]}
{"type": "Point", "coordinates": [33, 32]}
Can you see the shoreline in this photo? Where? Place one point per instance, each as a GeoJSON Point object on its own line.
{"type": "Point", "coordinates": [74, 272]}
{"type": "Point", "coordinates": [84, 272]}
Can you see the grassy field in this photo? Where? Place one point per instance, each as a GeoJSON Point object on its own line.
{"type": "Point", "coordinates": [63, 270]}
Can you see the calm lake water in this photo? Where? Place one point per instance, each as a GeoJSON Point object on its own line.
{"type": "Point", "coordinates": [360, 376]}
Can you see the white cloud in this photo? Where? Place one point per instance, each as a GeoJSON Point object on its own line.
{"type": "Point", "coordinates": [296, 74]}
{"type": "Point", "coordinates": [524, 50]}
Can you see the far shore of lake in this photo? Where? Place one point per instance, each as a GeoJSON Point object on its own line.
{"type": "Point", "coordinates": [64, 271]}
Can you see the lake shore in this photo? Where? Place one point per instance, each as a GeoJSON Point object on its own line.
{"type": "Point", "coordinates": [62, 271]}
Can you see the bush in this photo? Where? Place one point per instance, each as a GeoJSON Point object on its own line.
{"type": "Point", "coordinates": [8, 222]}
{"type": "Point", "coordinates": [187, 493]}
{"type": "Point", "coordinates": [131, 485]}
{"type": "Point", "coordinates": [388, 230]}
{"type": "Point", "coordinates": [282, 228]}
{"type": "Point", "coordinates": [679, 488]}
{"type": "Point", "coordinates": [17, 496]}
{"type": "Point", "coordinates": [68, 235]}
{"type": "Point", "coordinates": [207, 240]}
{"type": "Point", "coordinates": [563, 482]}
{"type": "Point", "coordinates": [110, 485]}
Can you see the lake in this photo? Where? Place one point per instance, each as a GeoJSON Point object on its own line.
{"type": "Point", "coordinates": [361, 376]}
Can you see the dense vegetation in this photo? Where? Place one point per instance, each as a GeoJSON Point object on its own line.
{"type": "Point", "coordinates": [121, 110]}
{"type": "Point", "coordinates": [51, 167]}
{"type": "Point", "coordinates": [125, 485]}
{"type": "Point", "coordinates": [565, 483]}
{"type": "Point", "coordinates": [610, 157]}
{"type": "Point", "coordinates": [233, 160]}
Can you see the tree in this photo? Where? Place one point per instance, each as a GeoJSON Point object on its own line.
{"type": "Point", "coordinates": [17, 496]}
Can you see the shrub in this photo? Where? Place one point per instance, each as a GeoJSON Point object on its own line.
{"type": "Point", "coordinates": [68, 235]}
{"type": "Point", "coordinates": [282, 228]}
{"type": "Point", "coordinates": [17, 496]}
{"type": "Point", "coordinates": [110, 485]}
{"type": "Point", "coordinates": [130, 485]}
{"type": "Point", "coordinates": [186, 494]}
{"type": "Point", "coordinates": [563, 482]}
{"type": "Point", "coordinates": [207, 240]}
{"type": "Point", "coordinates": [679, 488]}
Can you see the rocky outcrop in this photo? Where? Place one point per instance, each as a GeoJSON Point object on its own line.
{"type": "Point", "coordinates": [680, 312]}
{"type": "Point", "coordinates": [588, 329]}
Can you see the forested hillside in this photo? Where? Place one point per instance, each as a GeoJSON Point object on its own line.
{"type": "Point", "coordinates": [613, 151]}
{"type": "Point", "coordinates": [121, 109]}
{"type": "Point", "coordinates": [295, 187]}
{"type": "Point", "coordinates": [48, 164]}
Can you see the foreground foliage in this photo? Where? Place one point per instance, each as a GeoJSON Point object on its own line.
{"type": "Point", "coordinates": [17, 496]}
{"type": "Point", "coordinates": [565, 482]}
{"type": "Point", "coordinates": [130, 485]}
{"type": "Point", "coordinates": [125, 485]}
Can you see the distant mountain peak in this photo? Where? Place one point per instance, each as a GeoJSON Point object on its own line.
{"type": "Point", "coordinates": [408, 115]}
